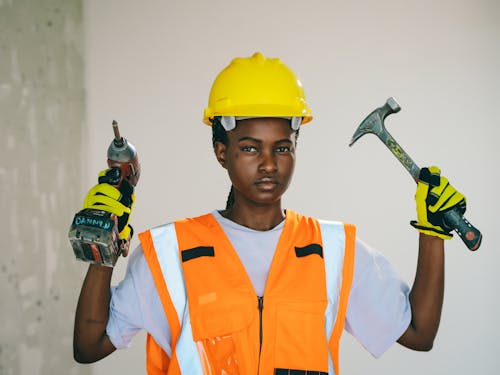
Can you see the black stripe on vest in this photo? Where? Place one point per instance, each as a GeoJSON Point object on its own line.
{"type": "Point", "coordinates": [286, 371]}
{"type": "Point", "coordinates": [197, 252]}
{"type": "Point", "coordinates": [313, 248]}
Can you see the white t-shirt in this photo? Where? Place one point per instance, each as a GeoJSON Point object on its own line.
{"type": "Point", "coordinates": [377, 315]}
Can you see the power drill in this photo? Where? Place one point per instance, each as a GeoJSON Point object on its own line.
{"type": "Point", "coordinates": [94, 234]}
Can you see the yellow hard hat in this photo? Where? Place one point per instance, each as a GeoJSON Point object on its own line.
{"type": "Point", "coordinates": [257, 86]}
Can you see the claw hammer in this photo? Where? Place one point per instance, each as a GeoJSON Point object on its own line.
{"type": "Point", "coordinates": [374, 123]}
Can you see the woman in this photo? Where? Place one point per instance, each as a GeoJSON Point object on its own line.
{"type": "Point", "coordinates": [255, 288]}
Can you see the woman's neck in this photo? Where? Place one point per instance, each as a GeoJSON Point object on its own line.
{"type": "Point", "coordinates": [260, 218]}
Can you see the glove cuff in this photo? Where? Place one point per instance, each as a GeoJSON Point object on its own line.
{"type": "Point", "coordinates": [431, 231]}
{"type": "Point", "coordinates": [126, 233]}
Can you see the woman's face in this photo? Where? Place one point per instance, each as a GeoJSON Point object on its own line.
{"type": "Point", "coordinates": [259, 158]}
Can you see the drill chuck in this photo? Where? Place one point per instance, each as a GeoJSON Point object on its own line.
{"type": "Point", "coordinates": [122, 151]}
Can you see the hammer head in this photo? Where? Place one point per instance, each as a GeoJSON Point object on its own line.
{"type": "Point", "coordinates": [374, 122]}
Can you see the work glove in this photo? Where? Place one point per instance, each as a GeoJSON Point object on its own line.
{"type": "Point", "coordinates": [106, 197]}
{"type": "Point", "coordinates": [434, 197]}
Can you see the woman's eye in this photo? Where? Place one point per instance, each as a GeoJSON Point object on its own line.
{"type": "Point", "coordinates": [283, 149]}
{"type": "Point", "coordinates": [248, 149]}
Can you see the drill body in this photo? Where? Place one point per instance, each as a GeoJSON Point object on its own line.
{"type": "Point", "coordinates": [94, 234]}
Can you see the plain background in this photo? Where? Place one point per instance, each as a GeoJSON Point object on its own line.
{"type": "Point", "coordinates": [69, 68]}
{"type": "Point", "coordinates": [151, 67]}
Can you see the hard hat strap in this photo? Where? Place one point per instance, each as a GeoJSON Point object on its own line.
{"type": "Point", "coordinates": [229, 122]}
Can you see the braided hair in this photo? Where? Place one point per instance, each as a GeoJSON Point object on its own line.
{"type": "Point", "coordinates": [219, 134]}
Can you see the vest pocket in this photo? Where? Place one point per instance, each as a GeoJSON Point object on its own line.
{"type": "Point", "coordinates": [220, 330]}
{"type": "Point", "coordinates": [300, 341]}
{"type": "Point", "coordinates": [218, 355]}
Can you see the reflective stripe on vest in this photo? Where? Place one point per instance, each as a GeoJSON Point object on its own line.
{"type": "Point", "coordinates": [339, 241]}
{"type": "Point", "coordinates": [161, 252]}
{"type": "Point", "coordinates": [227, 311]}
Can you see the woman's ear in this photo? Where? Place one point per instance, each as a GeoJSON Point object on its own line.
{"type": "Point", "coordinates": [220, 153]}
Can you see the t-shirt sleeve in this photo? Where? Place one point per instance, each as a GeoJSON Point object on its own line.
{"type": "Point", "coordinates": [135, 305]}
{"type": "Point", "coordinates": [379, 310]}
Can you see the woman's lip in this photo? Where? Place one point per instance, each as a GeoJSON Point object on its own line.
{"type": "Point", "coordinates": [266, 183]}
{"type": "Point", "coordinates": [266, 180]}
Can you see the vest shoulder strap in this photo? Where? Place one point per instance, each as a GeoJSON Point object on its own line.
{"type": "Point", "coordinates": [157, 360]}
{"type": "Point", "coordinates": [347, 234]}
{"type": "Point", "coordinates": [151, 255]}
{"type": "Point", "coordinates": [160, 247]}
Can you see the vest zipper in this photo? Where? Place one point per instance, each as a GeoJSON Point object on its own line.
{"type": "Point", "coordinates": [260, 305]}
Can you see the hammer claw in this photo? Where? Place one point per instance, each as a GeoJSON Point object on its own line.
{"type": "Point", "coordinates": [374, 122]}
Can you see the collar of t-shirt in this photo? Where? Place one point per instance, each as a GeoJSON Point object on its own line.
{"type": "Point", "coordinates": [254, 248]}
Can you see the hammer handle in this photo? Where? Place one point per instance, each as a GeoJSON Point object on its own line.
{"type": "Point", "coordinates": [400, 154]}
{"type": "Point", "coordinates": [469, 234]}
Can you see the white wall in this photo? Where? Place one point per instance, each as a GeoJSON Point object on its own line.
{"type": "Point", "coordinates": [150, 66]}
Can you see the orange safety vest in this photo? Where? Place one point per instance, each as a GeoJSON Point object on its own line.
{"type": "Point", "coordinates": [218, 324]}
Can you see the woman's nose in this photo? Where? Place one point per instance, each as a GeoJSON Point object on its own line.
{"type": "Point", "coordinates": [268, 162]}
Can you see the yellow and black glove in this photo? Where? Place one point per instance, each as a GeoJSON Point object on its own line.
{"type": "Point", "coordinates": [106, 197]}
{"type": "Point", "coordinates": [434, 197]}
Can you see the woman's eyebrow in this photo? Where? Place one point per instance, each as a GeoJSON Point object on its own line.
{"type": "Point", "coordinates": [249, 139]}
{"type": "Point", "coordinates": [286, 140]}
